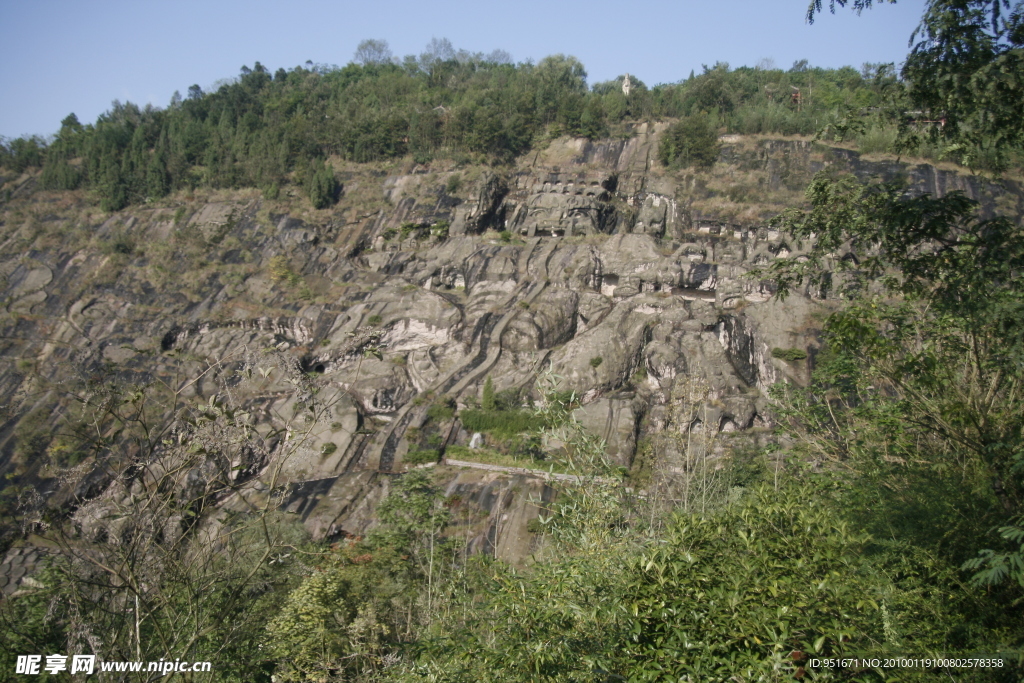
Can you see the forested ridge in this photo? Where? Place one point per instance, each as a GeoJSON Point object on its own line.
{"type": "Point", "coordinates": [882, 517]}
{"type": "Point", "coordinates": [262, 129]}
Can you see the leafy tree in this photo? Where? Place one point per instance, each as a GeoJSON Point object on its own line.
{"type": "Point", "coordinates": [964, 75]}
{"type": "Point", "coordinates": [373, 51]}
{"type": "Point", "coordinates": [690, 142]}
{"type": "Point", "coordinates": [339, 620]}
{"type": "Point", "coordinates": [931, 338]}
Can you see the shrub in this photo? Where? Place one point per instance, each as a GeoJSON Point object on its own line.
{"type": "Point", "coordinates": [374, 320]}
{"type": "Point", "coordinates": [876, 140]}
{"type": "Point", "coordinates": [440, 229]}
{"type": "Point", "coordinates": [409, 229]}
{"type": "Point", "coordinates": [440, 411]}
{"type": "Point", "coordinates": [596, 361]}
{"type": "Point", "coordinates": [508, 399]}
{"type": "Point", "coordinates": [454, 183]}
{"type": "Point", "coordinates": [280, 271]}
{"type": "Point", "coordinates": [505, 236]}
{"type": "Point", "coordinates": [789, 355]}
{"type": "Point", "coordinates": [421, 457]}
{"type": "Point", "coordinates": [328, 448]}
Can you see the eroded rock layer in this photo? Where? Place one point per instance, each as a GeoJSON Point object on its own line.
{"type": "Point", "coordinates": [586, 261]}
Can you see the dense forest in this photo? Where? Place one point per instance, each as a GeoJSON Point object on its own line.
{"type": "Point", "coordinates": [891, 525]}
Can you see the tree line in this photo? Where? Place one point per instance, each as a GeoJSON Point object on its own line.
{"type": "Point", "coordinates": [266, 129]}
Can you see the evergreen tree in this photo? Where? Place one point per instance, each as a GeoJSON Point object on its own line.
{"type": "Point", "coordinates": [488, 402]}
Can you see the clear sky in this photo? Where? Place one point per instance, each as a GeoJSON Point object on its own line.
{"type": "Point", "coordinates": [62, 56]}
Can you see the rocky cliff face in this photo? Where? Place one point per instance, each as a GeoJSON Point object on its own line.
{"type": "Point", "coordinates": [586, 260]}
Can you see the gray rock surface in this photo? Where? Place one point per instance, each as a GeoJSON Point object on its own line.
{"type": "Point", "coordinates": [617, 277]}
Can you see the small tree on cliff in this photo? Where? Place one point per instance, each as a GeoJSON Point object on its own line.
{"type": "Point", "coordinates": [488, 402]}
{"type": "Point", "coordinates": [691, 142]}
{"type": "Point", "coordinates": [321, 185]}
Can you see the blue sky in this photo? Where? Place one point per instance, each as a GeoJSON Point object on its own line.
{"type": "Point", "coordinates": [60, 56]}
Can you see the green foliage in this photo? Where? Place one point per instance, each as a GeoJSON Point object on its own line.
{"type": "Point", "coordinates": [789, 355]}
{"type": "Point", "coordinates": [328, 448]}
{"type": "Point", "coordinates": [440, 229]}
{"type": "Point", "coordinates": [439, 411]}
{"type": "Point", "coordinates": [374, 320]}
{"type": "Point", "coordinates": [281, 271]}
{"type": "Point", "coordinates": [412, 514]}
{"type": "Point", "coordinates": [504, 423]}
{"type": "Point", "coordinates": [993, 568]}
{"type": "Point", "coordinates": [923, 364]}
{"type": "Point", "coordinates": [421, 457]}
{"type": "Point", "coordinates": [487, 401]}
{"type": "Point", "coordinates": [321, 185]}
{"type": "Point", "coordinates": [262, 130]}
{"type": "Point", "coordinates": [341, 617]}
{"type": "Point", "coordinates": [410, 229]}
{"type": "Point", "coordinates": [691, 142]}
{"type": "Point", "coordinates": [509, 399]}
{"type": "Point", "coordinates": [738, 592]}
{"type": "Point", "coordinates": [596, 361]}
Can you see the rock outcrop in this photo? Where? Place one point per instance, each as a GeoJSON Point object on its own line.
{"type": "Point", "coordinates": [586, 260]}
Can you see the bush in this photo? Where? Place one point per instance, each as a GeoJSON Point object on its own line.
{"type": "Point", "coordinates": [328, 448]}
{"type": "Point", "coordinates": [876, 140]}
{"type": "Point", "coordinates": [410, 229]}
{"type": "Point", "coordinates": [421, 457]}
{"type": "Point", "coordinates": [441, 410]}
{"type": "Point", "coordinates": [509, 399]}
{"type": "Point", "coordinates": [691, 142]}
{"type": "Point", "coordinates": [374, 320]}
{"type": "Point", "coordinates": [440, 229]}
{"type": "Point", "coordinates": [789, 355]}
{"type": "Point", "coordinates": [596, 361]}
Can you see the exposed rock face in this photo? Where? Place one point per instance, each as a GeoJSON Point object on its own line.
{"type": "Point", "coordinates": [618, 278]}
